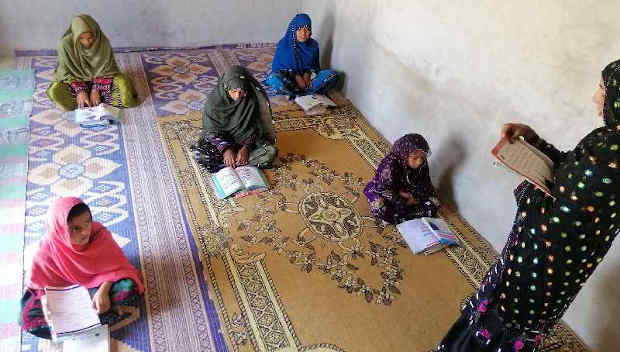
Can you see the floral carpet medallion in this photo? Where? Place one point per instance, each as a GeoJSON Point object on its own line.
{"type": "Point", "coordinates": [300, 267]}
{"type": "Point", "coordinates": [335, 238]}
{"type": "Point", "coordinates": [303, 266]}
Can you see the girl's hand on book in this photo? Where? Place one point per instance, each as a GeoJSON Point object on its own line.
{"type": "Point", "coordinates": [101, 299]}
{"type": "Point", "coordinates": [229, 157]}
{"type": "Point", "coordinates": [82, 99]}
{"type": "Point", "coordinates": [512, 131]}
{"type": "Point", "coordinates": [409, 198]}
{"type": "Point", "coordinates": [307, 80]}
{"type": "Point", "coordinates": [242, 156]}
{"type": "Point", "coordinates": [95, 97]}
{"type": "Point", "coordinates": [301, 83]}
{"type": "Point", "coordinates": [412, 201]}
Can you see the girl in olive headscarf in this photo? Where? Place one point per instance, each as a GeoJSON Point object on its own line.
{"type": "Point", "coordinates": [87, 73]}
{"type": "Point", "coordinates": [237, 124]}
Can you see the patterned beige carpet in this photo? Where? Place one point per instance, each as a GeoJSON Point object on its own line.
{"type": "Point", "coordinates": [304, 267]}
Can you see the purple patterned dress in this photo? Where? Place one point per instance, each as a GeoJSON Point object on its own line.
{"type": "Point", "coordinates": [395, 175]}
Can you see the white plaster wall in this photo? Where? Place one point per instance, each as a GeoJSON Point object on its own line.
{"type": "Point", "coordinates": [39, 24]}
{"type": "Point", "coordinates": [455, 71]}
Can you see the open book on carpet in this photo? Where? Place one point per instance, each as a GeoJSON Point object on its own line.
{"type": "Point", "coordinates": [525, 160]}
{"type": "Point", "coordinates": [427, 235]}
{"type": "Point", "coordinates": [314, 103]}
{"type": "Point", "coordinates": [100, 115]}
{"type": "Point", "coordinates": [240, 181]}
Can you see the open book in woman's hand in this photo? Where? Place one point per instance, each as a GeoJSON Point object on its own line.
{"type": "Point", "coordinates": [525, 160]}
{"type": "Point", "coordinates": [229, 181]}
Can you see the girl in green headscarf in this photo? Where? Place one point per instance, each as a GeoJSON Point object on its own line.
{"type": "Point", "coordinates": [237, 124]}
{"type": "Point", "coordinates": [87, 74]}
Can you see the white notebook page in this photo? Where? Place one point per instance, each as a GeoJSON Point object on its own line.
{"type": "Point", "coordinates": [250, 177]}
{"type": "Point", "coordinates": [97, 340]}
{"type": "Point", "coordinates": [71, 310]}
{"type": "Point", "coordinates": [228, 180]}
{"type": "Point", "coordinates": [417, 234]}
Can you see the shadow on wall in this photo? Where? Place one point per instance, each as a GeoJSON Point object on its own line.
{"type": "Point", "coordinates": [607, 329]}
{"type": "Point", "coordinates": [452, 156]}
{"type": "Point", "coordinates": [326, 44]}
{"type": "Point", "coordinates": [327, 36]}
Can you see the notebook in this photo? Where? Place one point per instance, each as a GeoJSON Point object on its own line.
{"type": "Point", "coordinates": [100, 115]}
{"type": "Point", "coordinates": [314, 103]}
{"type": "Point", "coordinates": [427, 235]}
{"type": "Point", "coordinates": [72, 312]}
{"type": "Point", "coordinates": [525, 160]}
{"type": "Point", "coordinates": [97, 340]}
{"type": "Point", "coordinates": [240, 181]}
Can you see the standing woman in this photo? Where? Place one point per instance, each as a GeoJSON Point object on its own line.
{"type": "Point", "coordinates": [87, 74]}
{"type": "Point", "coordinates": [554, 245]}
{"type": "Point", "coordinates": [295, 69]}
{"type": "Point", "coordinates": [237, 124]}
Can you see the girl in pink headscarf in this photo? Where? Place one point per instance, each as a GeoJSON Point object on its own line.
{"type": "Point", "coordinates": [78, 250]}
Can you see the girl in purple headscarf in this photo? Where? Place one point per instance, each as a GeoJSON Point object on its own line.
{"type": "Point", "coordinates": [402, 189]}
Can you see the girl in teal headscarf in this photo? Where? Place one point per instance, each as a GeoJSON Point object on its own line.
{"type": "Point", "coordinates": [237, 124]}
{"type": "Point", "coordinates": [87, 74]}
